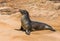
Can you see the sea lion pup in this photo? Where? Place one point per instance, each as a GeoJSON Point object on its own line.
{"type": "Point", "coordinates": [27, 25]}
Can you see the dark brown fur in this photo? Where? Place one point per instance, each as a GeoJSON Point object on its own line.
{"type": "Point", "coordinates": [27, 25]}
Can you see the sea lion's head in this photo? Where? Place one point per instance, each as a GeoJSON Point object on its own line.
{"type": "Point", "coordinates": [23, 12]}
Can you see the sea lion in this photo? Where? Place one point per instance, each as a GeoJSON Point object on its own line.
{"type": "Point", "coordinates": [27, 25]}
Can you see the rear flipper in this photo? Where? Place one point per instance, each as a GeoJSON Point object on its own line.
{"type": "Point", "coordinates": [49, 28]}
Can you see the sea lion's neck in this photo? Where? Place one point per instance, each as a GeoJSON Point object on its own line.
{"type": "Point", "coordinates": [26, 18]}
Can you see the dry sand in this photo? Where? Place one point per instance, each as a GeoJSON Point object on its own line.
{"type": "Point", "coordinates": [40, 10]}
{"type": "Point", "coordinates": [8, 25]}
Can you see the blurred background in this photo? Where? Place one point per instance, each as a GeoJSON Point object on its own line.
{"type": "Point", "coordinates": [47, 11]}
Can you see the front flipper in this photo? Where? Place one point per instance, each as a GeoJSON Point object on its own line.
{"type": "Point", "coordinates": [22, 29]}
{"type": "Point", "coordinates": [27, 32]}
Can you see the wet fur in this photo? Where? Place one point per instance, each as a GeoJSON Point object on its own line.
{"type": "Point", "coordinates": [27, 25]}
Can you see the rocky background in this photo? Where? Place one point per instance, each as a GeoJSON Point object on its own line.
{"type": "Point", "coordinates": [47, 11]}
